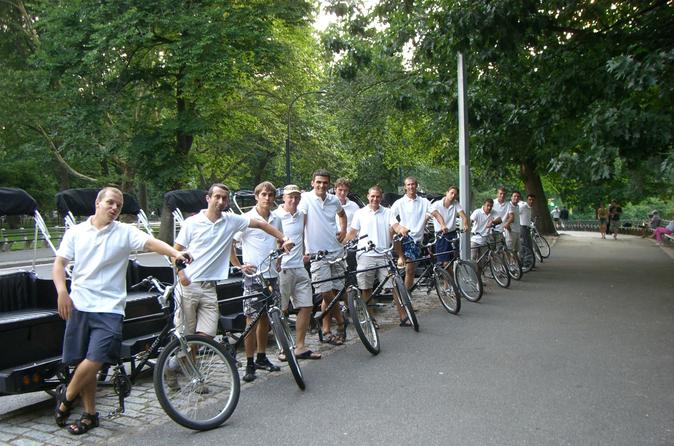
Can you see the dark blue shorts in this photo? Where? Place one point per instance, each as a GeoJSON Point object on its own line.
{"type": "Point", "coordinates": [94, 336]}
{"type": "Point", "coordinates": [411, 249]}
{"type": "Point", "coordinates": [444, 251]}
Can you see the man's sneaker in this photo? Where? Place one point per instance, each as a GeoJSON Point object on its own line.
{"type": "Point", "coordinates": [250, 373]}
{"type": "Point", "coordinates": [266, 364]}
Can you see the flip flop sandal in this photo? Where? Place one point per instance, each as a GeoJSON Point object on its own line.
{"type": "Point", "coordinates": [374, 322]}
{"type": "Point", "coordinates": [308, 354]}
{"type": "Point", "coordinates": [405, 322]}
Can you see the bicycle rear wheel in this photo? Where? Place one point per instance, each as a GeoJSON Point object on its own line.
{"type": "Point", "coordinates": [499, 269]}
{"type": "Point", "coordinates": [543, 245]}
{"type": "Point", "coordinates": [279, 327]}
{"type": "Point", "coordinates": [447, 290]}
{"type": "Point", "coordinates": [198, 387]}
{"type": "Point", "coordinates": [528, 258]}
{"type": "Point", "coordinates": [514, 264]}
{"type": "Point", "coordinates": [468, 280]}
{"type": "Point", "coordinates": [406, 302]}
{"type": "Point", "coordinates": [362, 322]}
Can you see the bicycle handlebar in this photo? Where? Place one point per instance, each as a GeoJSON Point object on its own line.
{"type": "Point", "coordinates": [275, 254]}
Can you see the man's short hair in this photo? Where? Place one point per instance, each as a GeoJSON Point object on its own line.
{"type": "Point", "coordinates": [377, 188]}
{"type": "Point", "coordinates": [516, 192]}
{"type": "Point", "coordinates": [501, 188]}
{"type": "Point", "coordinates": [411, 178]}
{"type": "Point", "coordinates": [488, 200]}
{"type": "Point", "coordinates": [102, 192]}
{"type": "Point", "coordinates": [320, 173]}
{"type": "Point", "coordinates": [219, 186]}
{"type": "Point", "coordinates": [456, 188]}
{"type": "Point", "coordinates": [342, 182]}
{"type": "Point", "coordinates": [531, 195]}
{"type": "Point", "coordinates": [265, 186]}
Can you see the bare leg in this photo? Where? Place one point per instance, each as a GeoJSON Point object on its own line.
{"type": "Point", "coordinates": [84, 384]}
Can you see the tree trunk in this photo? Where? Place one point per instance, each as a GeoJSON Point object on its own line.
{"type": "Point", "coordinates": [142, 197]}
{"type": "Point", "coordinates": [533, 184]}
{"type": "Point", "coordinates": [166, 225]}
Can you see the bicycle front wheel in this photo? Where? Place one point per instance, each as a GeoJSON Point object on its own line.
{"type": "Point", "coordinates": [197, 383]}
{"type": "Point", "coordinates": [499, 269]}
{"type": "Point", "coordinates": [406, 302]}
{"type": "Point", "coordinates": [362, 322]}
{"type": "Point", "coordinates": [280, 328]}
{"type": "Point", "coordinates": [514, 265]}
{"type": "Point", "coordinates": [528, 259]}
{"type": "Point", "coordinates": [447, 290]}
{"type": "Point", "coordinates": [468, 280]}
{"type": "Point", "coordinates": [543, 245]}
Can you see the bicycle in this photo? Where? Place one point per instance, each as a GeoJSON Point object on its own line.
{"type": "Point", "coordinates": [434, 276]}
{"type": "Point", "coordinates": [195, 378]}
{"type": "Point", "coordinates": [466, 277]}
{"type": "Point", "coordinates": [361, 318]}
{"type": "Point", "coordinates": [401, 292]}
{"type": "Point", "coordinates": [495, 259]}
{"type": "Point", "coordinates": [527, 257]}
{"type": "Point", "coordinates": [540, 244]}
{"type": "Point", "coordinates": [209, 379]}
{"type": "Point", "coordinates": [270, 304]}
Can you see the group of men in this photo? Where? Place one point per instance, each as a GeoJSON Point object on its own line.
{"type": "Point", "coordinates": [509, 217]}
{"type": "Point", "coordinates": [305, 223]}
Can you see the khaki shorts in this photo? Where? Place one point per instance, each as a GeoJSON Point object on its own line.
{"type": "Point", "coordinates": [295, 283]}
{"type": "Point", "coordinates": [322, 270]}
{"type": "Point", "coordinates": [199, 303]}
{"type": "Point", "coordinates": [513, 241]}
{"type": "Point", "coordinates": [366, 278]}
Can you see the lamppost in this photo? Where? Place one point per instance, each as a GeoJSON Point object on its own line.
{"type": "Point", "coordinates": [290, 108]}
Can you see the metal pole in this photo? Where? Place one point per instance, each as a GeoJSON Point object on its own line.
{"type": "Point", "coordinates": [464, 154]}
{"type": "Point", "coordinates": [288, 142]}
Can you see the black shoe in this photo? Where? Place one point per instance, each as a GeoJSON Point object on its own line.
{"type": "Point", "coordinates": [250, 374]}
{"type": "Point", "coordinates": [266, 364]}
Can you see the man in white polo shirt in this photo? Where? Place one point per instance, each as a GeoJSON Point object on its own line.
{"type": "Point", "coordinates": [525, 219]}
{"type": "Point", "coordinates": [413, 212]}
{"type": "Point", "coordinates": [208, 236]}
{"type": "Point", "coordinates": [294, 279]}
{"type": "Point", "coordinates": [513, 234]}
{"type": "Point", "coordinates": [482, 219]}
{"type": "Point", "coordinates": [374, 221]}
{"type": "Point", "coordinates": [342, 188]}
{"type": "Point", "coordinates": [449, 208]}
{"type": "Point", "coordinates": [323, 234]}
{"type": "Point", "coordinates": [94, 308]}
{"type": "Point", "coordinates": [255, 248]}
{"type": "Point", "coordinates": [503, 209]}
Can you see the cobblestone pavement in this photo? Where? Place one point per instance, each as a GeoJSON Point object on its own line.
{"type": "Point", "coordinates": [37, 427]}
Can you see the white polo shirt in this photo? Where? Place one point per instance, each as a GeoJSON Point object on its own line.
{"type": "Point", "coordinates": [376, 224]}
{"type": "Point", "coordinates": [525, 213]}
{"type": "Point", "coordinates": [350, 208]}
{"type": "Point", "coordinates": [321, 228]}
{"type": "Point", "coordinates": [292, 226]}
{"type": "Point", "coordinates": [502, 210]}
{"type": "Point", "coordinates": [449, 214]}
{"type": "Point", "coordinates": [210, 244]}
{"type": "Point", "coordinates": [481, 222]}
{"type": "Point", "coordinates": [413, 214]}
{"type": "Point", "coordinates": [515, 225]}
{"type": "Point", "coordinates": [257, 244]}
{"type": "Point", "coordinates": [101, 257]}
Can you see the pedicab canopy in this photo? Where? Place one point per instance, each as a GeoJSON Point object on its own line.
{"type": "Point", "coordinates": [15, 201]}
{"type": "Point", "coordinates": [82, 202]}
{"type": "Point", "coordinates": [187, 200]}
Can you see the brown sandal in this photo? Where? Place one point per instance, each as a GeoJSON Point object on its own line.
{"type": "Point", "coordinates": [61, 416]}
{"type": "Point", "coordinates": [84, 424]}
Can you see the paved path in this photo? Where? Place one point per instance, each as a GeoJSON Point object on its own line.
{"type": "Point", "coordinates": [579, 352]}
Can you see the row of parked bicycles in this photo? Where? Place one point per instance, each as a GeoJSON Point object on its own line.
{"type": "Point", "coordinates": [196, 379]}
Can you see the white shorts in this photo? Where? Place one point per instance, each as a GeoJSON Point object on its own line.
{"type": "Point", "coordinates": [513, 241]}
{"type": "Point", "coordinates": [295, 284]}
{"type": "Point", "coordinates": [322, 270]}
{"type": "Point", "coordinates": [200, 313]}
{"type": "Point", "coordinates": [366, 278]}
